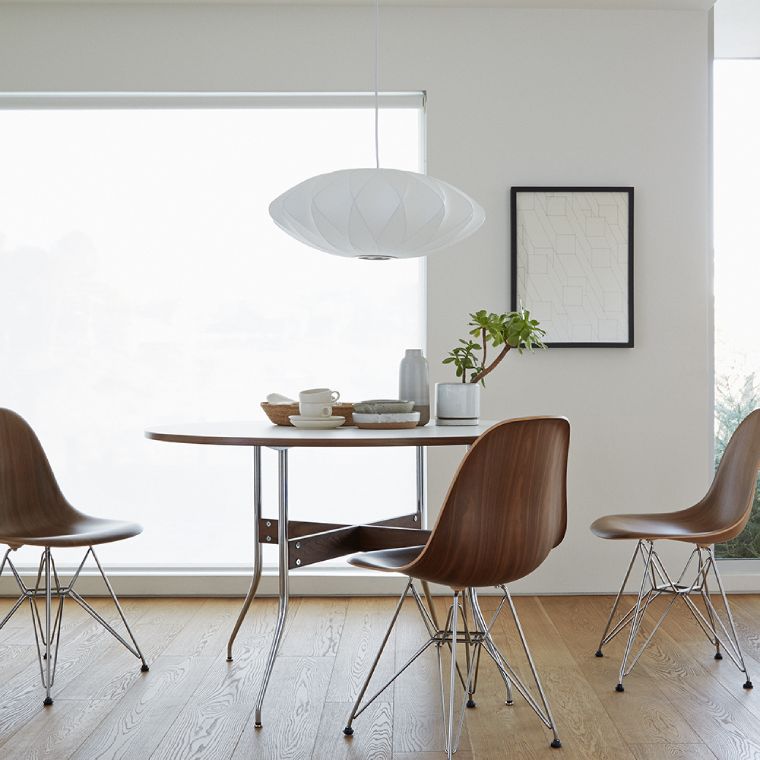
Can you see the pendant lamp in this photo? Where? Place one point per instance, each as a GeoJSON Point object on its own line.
{"type": "Point", "coordinates": [376, 213]}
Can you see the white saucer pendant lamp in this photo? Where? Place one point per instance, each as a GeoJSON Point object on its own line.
{"type": "Point", "coordinates": [376, 213]}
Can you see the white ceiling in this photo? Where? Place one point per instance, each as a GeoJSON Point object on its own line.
{"type": "Point", "coordinates": [607, 4]}
{"type": "Point", "coordinates": [737, 29]}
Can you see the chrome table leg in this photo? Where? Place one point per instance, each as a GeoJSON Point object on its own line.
{"type": "Point", "coordinates": [256, 550]}
{"type": "Point", "coordinates": [422, 521]}
{"type": "Point", "coordinates": [282, 537]}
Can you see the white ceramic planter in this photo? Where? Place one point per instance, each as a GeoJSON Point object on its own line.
{"type": "Point", "coordinates": [457, 403]}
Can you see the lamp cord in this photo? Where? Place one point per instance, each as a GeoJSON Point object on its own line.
{"type": "Point", "coordinates": [377, 84]}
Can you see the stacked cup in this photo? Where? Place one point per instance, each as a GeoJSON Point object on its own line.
{"type": "Point", "coordinates": [316, 403]}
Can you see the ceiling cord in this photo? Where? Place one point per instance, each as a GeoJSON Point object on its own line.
{"type": "Point", "coordinates": [377, 84]}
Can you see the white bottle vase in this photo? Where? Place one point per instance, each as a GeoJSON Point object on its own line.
{"type": "Point", "coordinates": [457, 403]}
{"type": "Point", "coordinates": [413, 384]}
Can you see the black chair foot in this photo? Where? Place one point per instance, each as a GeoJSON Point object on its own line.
{"type": "Point", "coordinates": [510, 702]}
{"type": "Point", "coordinates": [348, 731]}
{"type": "Point", "coordinates": [470, 703]}
{"type": "Point", "coordinates": [599, 653]}
{"type": "Point", "coordinates": [257, 725]}
{"type": "Point", "coordinates": [718, 656]}
{"type": "Point", "coordinates": [747, 685]}
{"type": "Point", "coordinates": [619, 687]}
{"type": "Point", "coordinates": [556, 744]}
{"type": "Point", "coordinates": [48, 701]}
{"type": "Point", "coordinates": [229, 659]}
{"type": "Point", "coordinates": [145, 668]}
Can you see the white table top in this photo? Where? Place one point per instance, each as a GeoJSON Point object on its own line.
{"type": "Point", "coordinates": [254, 433]}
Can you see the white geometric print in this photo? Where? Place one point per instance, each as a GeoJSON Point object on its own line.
{"type": "Point", "coordinates": [572, 263]}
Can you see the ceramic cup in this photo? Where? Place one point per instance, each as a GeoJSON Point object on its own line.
{"type": "Point", "coordinates": [314, 409]}
{"type": "Point", "coordinates": [318, 396]}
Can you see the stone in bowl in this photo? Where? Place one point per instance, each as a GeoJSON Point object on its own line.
{"type": "Point", "coordinates": [384, 406]}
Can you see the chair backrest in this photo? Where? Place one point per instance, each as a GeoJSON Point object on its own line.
{"type": "Point", "coordinates": [506, 508]}
{"type": "Point", "coordinates": [30, 498]}
{"type": "Point", "coordinates": [726, 508]}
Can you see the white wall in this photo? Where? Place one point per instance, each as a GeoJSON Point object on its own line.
{"type": "Point", "coordinates": [737, 29]}
{"type": "Point", "coordinates": [515, 97]}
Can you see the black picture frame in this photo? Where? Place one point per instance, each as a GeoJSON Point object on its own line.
{"type": "Point", "coordinates": [516, 298]}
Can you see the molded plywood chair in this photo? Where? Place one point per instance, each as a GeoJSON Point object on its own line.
{"type": "Point", "coordinates": [720, 516]}
{"type": "Point", "coordinates": [34, 512]}
{"type": "Point", "coordinates": [505, 511]}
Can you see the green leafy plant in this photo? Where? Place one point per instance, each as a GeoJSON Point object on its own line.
{"type": "Point", "coordinates": [514, 329]}
{"type": "Point", "coordinates": [735, 398]}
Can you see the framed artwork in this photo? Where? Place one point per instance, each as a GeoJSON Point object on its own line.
{"type": "Point", "coordinates": [572, 263]}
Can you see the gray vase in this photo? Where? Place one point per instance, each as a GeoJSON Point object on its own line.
{"type": "Point", "coordinates": [413, 383]}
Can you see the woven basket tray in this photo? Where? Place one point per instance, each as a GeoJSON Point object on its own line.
{"type": "Point", "coordinates": [279, 413]}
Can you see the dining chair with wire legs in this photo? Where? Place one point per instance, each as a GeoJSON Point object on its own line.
{"type": "Point", "coordinates": [506, 509]}
{"type": "Point", "coordinates": [34, 512]}
{"type": "Point", "coordinates": [720, 516]}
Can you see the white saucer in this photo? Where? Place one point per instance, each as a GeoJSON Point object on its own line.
{"type": "Point", "coordinates": [316, 423]}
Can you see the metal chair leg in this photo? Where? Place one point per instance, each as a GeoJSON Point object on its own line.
{"type": "Point", "coordinates": [123, 617]}
{"type": "Point", "coordinates": [470, 656]}
{"type": "Point", "coordinates": [22, 588]}
{"type": "Point", "coordinates": [452, 678]}
{"type": "Point", "coordinates": [604, 639]}
{"type": "Point", "coordinates": [742, 666]}
{"type": "Point", "coordinates": [555, 742]}
{"type": "Point", "coordinates": [488, 642]}
{"type": "Point", "coordinates": [475, 640]}
{"type": "Point", "coordinates": [723, 637]}
{"type": "Point", "coordinates": [348, 730]}
{"type": "Point", "coordinates": [48, 616]}
{"type": "Point", "coordinates": [506, 669]}
{"type": "Point", "coordinates": [714, 640]}
{"type": "Point", "coordinates": [638, 615]}
{"type": "Point", "coordinates": [47, 634]}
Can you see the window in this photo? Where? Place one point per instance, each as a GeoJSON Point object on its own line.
{"type": "Point", "coordinates": [737, 264]}
{"type": "Point", "coordinates": [143, 282]}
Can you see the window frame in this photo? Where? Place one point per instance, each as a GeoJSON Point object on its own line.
{"type": "Point", "coordinates": [162, 579]}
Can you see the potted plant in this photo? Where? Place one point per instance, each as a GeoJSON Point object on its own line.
{"type": "Point", "coordinates": [459, 403]}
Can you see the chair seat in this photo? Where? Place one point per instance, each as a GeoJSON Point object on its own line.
{"type": "Point", "coordinates": [386, 560]}
{"type": "Point", "coordinates": [675, 526]}
{"type": "Point", "coordinates": [79, 530]}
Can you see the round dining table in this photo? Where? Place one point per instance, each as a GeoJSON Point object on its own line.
{"type": "Point", "coordinates": [302, 543]}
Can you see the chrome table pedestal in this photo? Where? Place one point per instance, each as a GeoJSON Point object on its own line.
{"type": "Point", "coordinates": [303, 543]}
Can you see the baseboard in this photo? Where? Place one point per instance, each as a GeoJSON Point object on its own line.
{"type": "Point", "coordinates": [221, 583]}
{"type": "Point", "coordinates": [234, 582]}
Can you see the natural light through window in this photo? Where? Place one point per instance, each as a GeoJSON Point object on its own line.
{"type": "Point", "coordinates": [143, 282]}
{"type": "Point", "coordinates": [737, 264]}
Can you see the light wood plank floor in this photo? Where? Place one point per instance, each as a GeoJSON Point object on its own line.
{"type": "Point", "coordinates": [679, 704]}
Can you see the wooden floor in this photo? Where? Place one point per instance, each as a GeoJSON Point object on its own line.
{"type": "Point", "coordinates": [679, 704]}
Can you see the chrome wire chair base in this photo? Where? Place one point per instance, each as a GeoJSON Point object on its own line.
{"type": "Point", "coordinates": [475, 641]}
{"type": "Point", "coordinates": [47, 636]}
{"type": "Point", "coordinates": [656, 582]}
